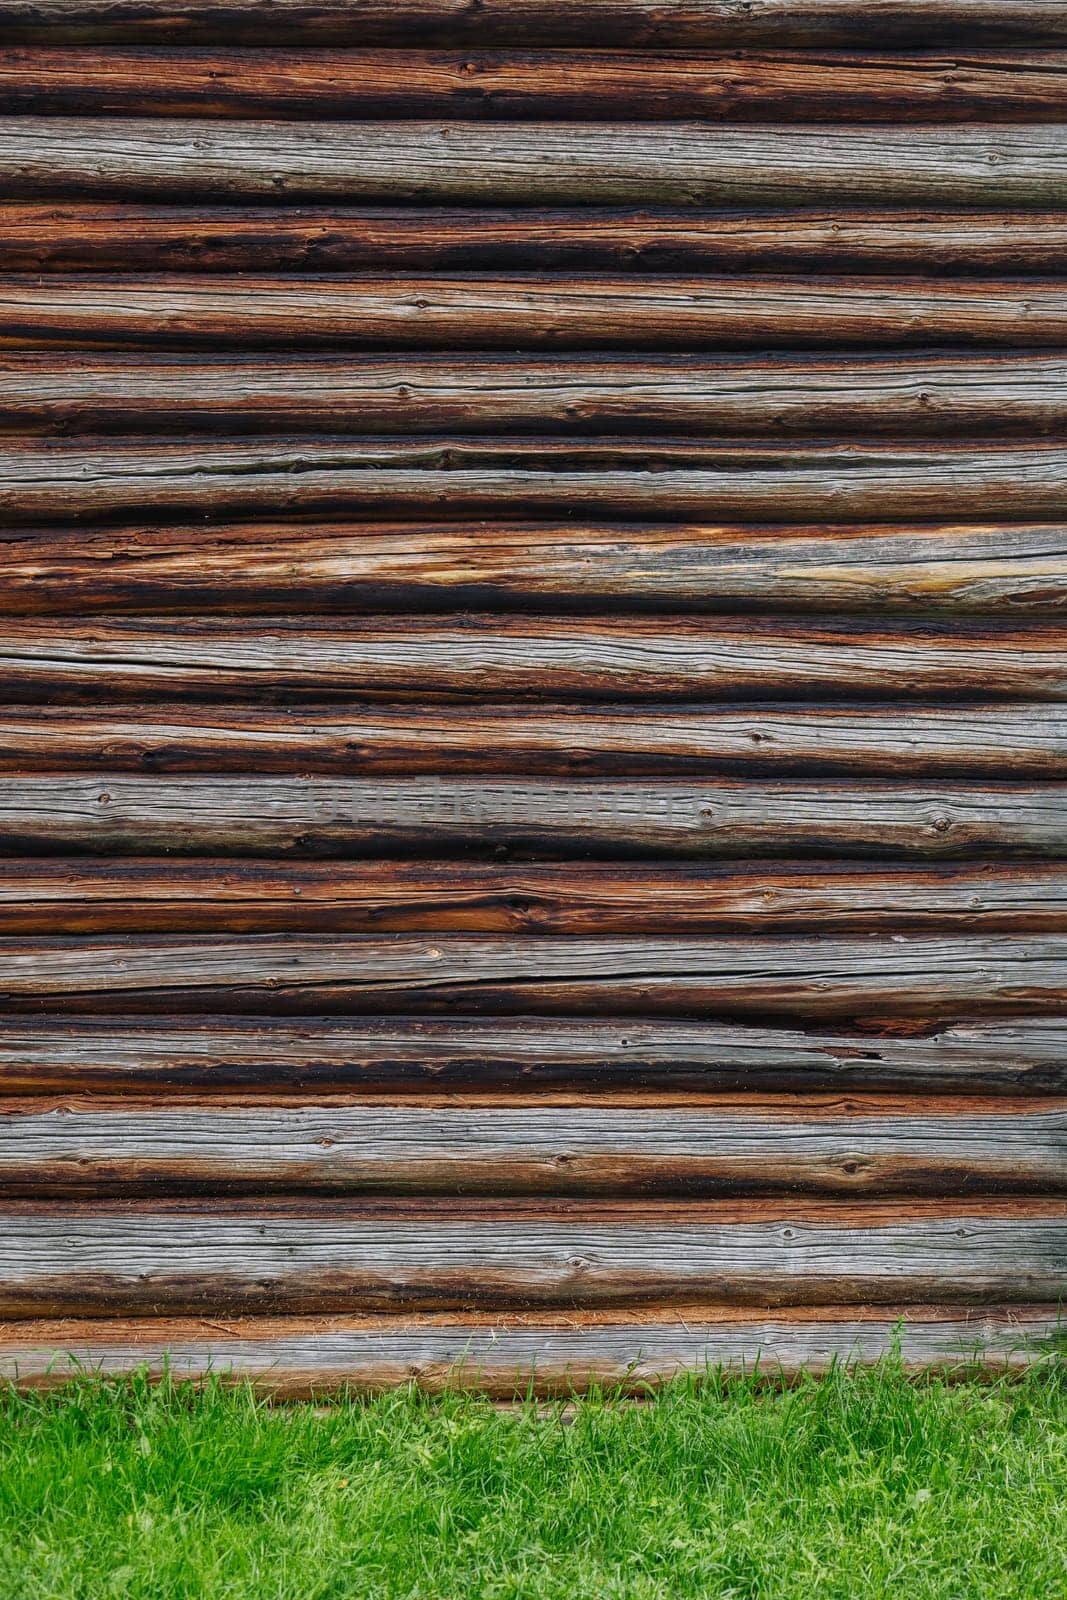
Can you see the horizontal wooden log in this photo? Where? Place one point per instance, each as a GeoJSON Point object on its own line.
{"type": "Point", "coordinates": [418, 566]}
{"type": "Point", "coordinates": [563, 1060]}
{"type": "Point", "coordinates": [308, 817]}
{"type": "Point", "coordinates": [82, 895]}
{"type": "Point", "coordinates": [1011, 741]}
{"type": "Point", "coordinates": [631, 23]}
{"type": "Point", "coordinates": [484, 654]}
{"type": "Point", "coordinates": [511, 1356]}
{"type": "Point", "coordinates": [999, 85]}
{"type": "Point", "coordinates": [92, 1148]}
{"type": "Point", "coordinates": [64, 235]}
{"type": "Point", "coordinates": [533, 310]}
{"type": "Point", "coordinates": [139, 896]}
{"type": "Point", "coordinates": [675, 163]}
{"type": "Point", "coordinates": [935, 396]}
{"type": "Point", "coordinates": [170, 1256]}
{"type": "Point", "coordinates": [840, 482]}
{"type": "Point", "coordinates": [922, 977]}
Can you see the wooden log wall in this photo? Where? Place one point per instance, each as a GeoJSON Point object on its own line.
{"type": "Point", "coordinates": [533, 739]}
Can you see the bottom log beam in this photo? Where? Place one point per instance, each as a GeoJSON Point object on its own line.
{"type": "Point", "coordinates": [508, 1356]}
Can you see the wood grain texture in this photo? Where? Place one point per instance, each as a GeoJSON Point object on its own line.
{"type": "Point", "coordinates": [633, 23]}
{"type": "Point", "coordinates": [86, 896]}
{"type": "Point", "coordinates": [43, 479]}
{"type": "Point", "coordinates": [590, 85]}
{"type": "Point", "coordinates": [73, 235]}
{"type": "Point", "coordinates": [945, 568]}
{"type": "Point", "coordinates": [990, 740]}
{"type": "Point", "coordinates": [161, 895]}
{"type": "Point", "coordinates": [675, 163]}
{"type": "Point", "coordinates": [567, 1060]}
{"type": "Point", "coordinates": [532, 562]}
{"type": "Point", "coordinates": [932, 396]}
{"type": "Point", "coordinates": [93, 1148]}
{"type": "Point", "coordinates": [531, 311]}
{"type": "Point", "coordinates": [485, 654]}
{"type": "Point", "coordinates": [922, 977]}
{"type": "Point", "coordinates": [510, 1355]}
{"type": "Point", "coordinates": [174, 1257]}
{"type": "Point", "coordinates": [115, 814]}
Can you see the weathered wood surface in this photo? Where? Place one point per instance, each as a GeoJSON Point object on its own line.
{"type": "Point", "coordinates": [663, 828]}
{"type": "Point", "coordinates": [72, 235]}
{"type": "Point", "coordinates": [1010, 741]}
{"type": "Point", "coordinates": [532, 310]}
{"type": "Point", "coordinates": [576, 1061]}
{"type": "Point", "coordinates": [484, 654]}
{"type": "Point", "coordinates": [168, 81]}
{"type": "Point", "coordinates": [164, 895]}
{"type": "Point", "coordinates": [634, 23]}
{"type": "Point", "coordinates": [921, 977]}
{"type": "Point", "coordinates": [619, 163]}
{"type": "Point", "coordinates": [117, 814]}
{"type": "Point", "coordinates": [93, 1147]}
{"type": "Point", "coordinates": [510, 1355]}
{"type": "Point", "coordinates": [740, 395]}
{"type": "Point", "coordinates": [186, 1257]}
{"type": "Point", "coordinates": [946, 568]}
{"type": "Point", "coordinates": [44, 479]}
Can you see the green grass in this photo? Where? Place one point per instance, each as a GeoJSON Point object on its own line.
{"type": "Point", "coordinates": [856, 1487]}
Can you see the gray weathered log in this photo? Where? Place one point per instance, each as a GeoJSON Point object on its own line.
{"type": "Point", "coordinates": [675, 163]}
{"type": "Point", "coordinates": [175, 1257]}
{"type": "Point", "coordinates": [922, 977]}
{"type": "Point", "coordinates": [518, 1056]}
{"type": "Point", "coordinates": [511, 1355]}
{"type": "Point", "coordinates": [810, 1145]}
{"type": "Point", "coordinates": [44, 480]}
{"type": "Point", "coordinates": [990, 740]}
{"type": "Point", "coordinates": [484, 654]}
{"type": "Point", "coordinates": [308, 817]}
{"type": "Point", "coordinates": [531, 311]}
{"type": "Point", "coordinates": [933, 396]}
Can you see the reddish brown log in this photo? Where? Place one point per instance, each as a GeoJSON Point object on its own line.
{"type": "Point", "coordinates": [74, 234]}
{"type": "Point", "coordinates": [631, 23]}
{"type": "Point", "coordinates": [555, 567]}
{"type": "Point", "coordinates": [993, 85]}
{"type": "Point", "coordinates": [80, 895]}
